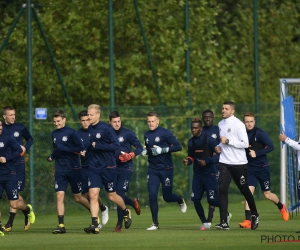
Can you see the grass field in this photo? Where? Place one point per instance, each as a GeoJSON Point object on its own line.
{"type": "Point", "coordinates": [177, 231]}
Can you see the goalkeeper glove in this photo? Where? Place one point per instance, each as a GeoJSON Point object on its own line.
{"type": "Point", "coordinates": [124, 157]}
{"type": "Point", "coordinates": [156, 150]}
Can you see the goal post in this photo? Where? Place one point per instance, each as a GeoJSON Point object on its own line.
{"type": "Point", "coordinates": [289, 123]}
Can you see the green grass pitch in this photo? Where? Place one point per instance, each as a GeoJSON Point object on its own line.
{"type": "Point", "coordinates": [177, 231]}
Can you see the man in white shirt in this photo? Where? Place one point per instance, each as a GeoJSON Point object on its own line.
{"type": "Point", "coordinates": [233, 163]}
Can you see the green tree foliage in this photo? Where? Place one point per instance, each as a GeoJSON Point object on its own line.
{"type": "Point", "coordinates": [221, 46]}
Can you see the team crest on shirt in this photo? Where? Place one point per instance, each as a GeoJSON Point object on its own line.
{"type": "Point", "coordinates": [121, 139]}
{"type": "Point", "coordinates": [214, 136]}
{"type": "Point", "coordinates": [79, 185]}
{"type": "Point", "coordinates": [1, 144]}
{"type": "Point", "coordinates": [65, 138]}
{"type": "Point", "coordinates": [15, 193]}
{"type": "Point", "coordinates": [125, 184]}
{"type": "Point", "coordinates": [98, 135]}
{"type": "Point", "coordinates": [167, 182]}
{"type": "Point", "coordinates": [157, 139]}
{"type": "Point", "coordinates": [267, 185]}
{"type": "Point", "coordinates": [242, 180]}
{"type": "Point", "coordinates": [192, 194]}
{"type": "Point", "coordinates": [229, 130]}
{"type": "Point", "coordinates": [16, 134]}
{"type": "Point", "coordinates": [54, 140]}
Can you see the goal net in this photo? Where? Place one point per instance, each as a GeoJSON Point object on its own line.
{"type": "Point", "coordinates": [290, 124]}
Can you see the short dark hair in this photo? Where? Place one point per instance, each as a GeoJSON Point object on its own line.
{"type": "Point", "coordinates": [207, 111]}
{"type": "Point", "coordinates": [152, 113]}
{"type": "Point", "coordinates": [114, 114]}
{"type": "Point", "coordinates": [82, 113]}
{"type": "Point", "coordinates": [232, 104]}
{"type": "Point", "coordinates": [6, 108]}
{"type": "Point", "coordinates": [197, 120]}
{"type": "Point", "coordinates": [58, 113]}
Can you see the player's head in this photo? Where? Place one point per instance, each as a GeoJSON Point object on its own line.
{"type": "Point", "coordinates": [94, 112]}
{"type": "Point", "coordinates": [152, 120]}
{"type": "Point", "coordinates": [196, 126]}
{"type": "Point", "coordinates": [115, 120]}
{"type": "Point", "coordinates": [84, 119]}
{"type": "Point", "coordinates": [9, 114]}
{"type": "Point", "coordinates": [228, 109]}
{"type": "Point", "coordinates": [208, 117]}
{"type": "Point", "coordinates": [1, 128]}
{"type": "Point", "coordinates": [59, 119]}
{"type": "Point", "coordinates": [249, 120]}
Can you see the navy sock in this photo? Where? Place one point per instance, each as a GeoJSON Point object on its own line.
{"type": "Point", "coordinates": [61, 219]}
{"type": "Point", "coordinates": [11, 218]}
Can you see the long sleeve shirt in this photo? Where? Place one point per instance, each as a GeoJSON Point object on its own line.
{"type": "Point", "coordinates": [10, 149]}
{"type": "Point", "coordinates": [127, 140]}
{"type": "Point", "coordinates": [266, 146]}
{"type": "Point", "coordinates": [194, 145]}
{"type": "Point", "coordinates": [163, 138]}
{"type": "Point", "coordinates": [212, 131]}
{"type": "Point", "coordinates": [103, 154]}
{"type": "Point", "coordinates": [234, 152]}
{"type": "Point", "coordinates": [295, 145]}
{"type": "Point", "coordinates": [85, 137]}
{"type": "Point", "coordinates": [19, 131]}
{"type": "Point", "coordinates": [67, 146]}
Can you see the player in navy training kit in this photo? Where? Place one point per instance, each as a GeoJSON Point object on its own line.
{"type": "Point", "coordinates": [10, 151]}
{"type": "Point", "coordinates": [258, 167]}
{"type": "Point", "coordinates": [124, 156]}
{"type": "Point", "coordinates": [212, 131]}
{"type": "Point", "coordinates": [160, 143]}
{"type": "Point", "coordinates": [102, 167]}
{"type": "Point", "coordinates": [201, 152]}
{"type": "Point", "coordinates": [85, 157]}
{"type": "Point", "coordinates": [19, 131]}
{"type": "Point", "coordinates": [67, 146]}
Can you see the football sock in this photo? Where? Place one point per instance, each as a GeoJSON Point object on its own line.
{"type": "Point", "coordinates": [26, 216]}
{"type": "Point", "coordinates": [279, 205]}
{"type": "Point", "coordinates": [95, 221]}
{"type": "Point", "coordinates": [102, 207]}
{"type": "Point", "coordinates": [60, 219]}
{"type": "Point", "coordinates": [248, 214]}
{"type": "Point", "coordinates": [125, 212]}
{"type": "Point", "coordinates": [11, 218]}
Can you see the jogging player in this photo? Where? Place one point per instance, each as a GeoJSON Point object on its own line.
{"type": "Point", "coordinates": [258, 167]}
{"type": "Point", "coordinates": [67, 146]}
{"type": "Point", "coordinates": [201, 153]}
{"type": "Point", "coordinates": [10, 151]}
{"type": "Point", "coordinates": [124, 156]}
{"type": "Point", "coordinates": [85, 158]}
{"type": "Point", "coordinates": [20, 132]}
{"type": "Point", "coordinates": [160, 143]}
{"type": "Point", "coordinates": [233, 163]}
{"type": "Point", "coordinates": [102, 167]}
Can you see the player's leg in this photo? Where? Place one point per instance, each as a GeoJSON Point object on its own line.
{"type": "Point", "coordinates": [264, 181]}
{"type": "Point", "coordinates": [211, 209]}
{"type": "Point", "coordinates": [196, 196]}
{"type": "Point", "coordinates": [1, 191]}
{"type": "Point", "coordinates": [239, 174]}
{"type": "Point", "coordinates": [1, 229]}
{"type": "Point", "coordinates": [61, 183]}
{"type": "Point", "coordinates": [153, 183]}
{"type": "Point", "coordinates": [75, 180]}
{"type": "Point", "coordinates": [211, 187]}
{"type": "Point", "coordinates": [166, 179]}
{"type": "Point", "coordinates": [223, 182]}
{"type": "Point", "coordinates": [109, 178]}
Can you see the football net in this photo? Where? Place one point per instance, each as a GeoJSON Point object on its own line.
{"type": "Point", "coordinates": [290, 124]}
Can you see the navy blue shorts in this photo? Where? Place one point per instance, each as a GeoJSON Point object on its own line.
{"type": "Point", "coordinates": [103, 176]}
{"type": "Point", "coordinates": [261, 175]}
{"type": "Point", "coordinates": [9, 184]}
{"type": "Point", "coordinates": [20, 177]}
{"type": "Point", "coordinates": [205, 183]}
{"type": "Point", "coordinates": [85, 180]}
{"type": "Point", "coordinates": [123, 179]}
{"type": "Point", "coordinates": [73, 177]}
{"type": "Point", "coordinates": [165, 177]}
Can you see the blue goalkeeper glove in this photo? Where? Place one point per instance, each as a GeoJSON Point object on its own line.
{"type": "Point", "coordinates": [156, 150]}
